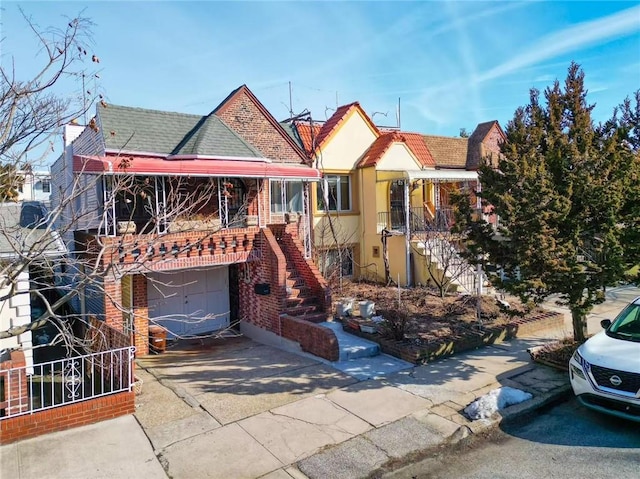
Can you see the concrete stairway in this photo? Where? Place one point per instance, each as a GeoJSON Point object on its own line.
{"type": "Point", "coordinates": [352, 347]}
{"type": "Point", "coordinates": [361, 358]}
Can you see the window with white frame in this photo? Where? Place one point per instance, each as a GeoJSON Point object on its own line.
{"type": "Point", "coordinates": [334, 193]}
{"type": "Point", "coordinates": [286, 196]}
{"type": "Point", "coordinates": [336, 261]}
{"type": "Point", "coordinates": [46, 185]}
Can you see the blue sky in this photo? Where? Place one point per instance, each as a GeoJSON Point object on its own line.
{"type": "Point", "coordinates": [452, 64]}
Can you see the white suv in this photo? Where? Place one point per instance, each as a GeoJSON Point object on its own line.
{"type": "Point", "coordinates": [605, 370]}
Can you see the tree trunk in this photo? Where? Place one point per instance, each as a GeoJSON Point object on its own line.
{"type": "Point", "coordinates": [579, 319]}
{"type": "Point", "coordinates": [385, 257]}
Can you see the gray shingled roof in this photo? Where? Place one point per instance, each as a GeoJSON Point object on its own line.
{"type": "Point", "coordinates": [167, 133]}
{"type": "Point", "coordinates": [17, 237]}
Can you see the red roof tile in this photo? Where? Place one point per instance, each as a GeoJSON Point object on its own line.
{"type": "Point", "coordinates": [417, 145]}
{"type": "Point", "coordinates": [308, 133]}
{"type": "Point", "coordinates": [378, 149]}
{"type": "Point", "coordinates": [413, 141]}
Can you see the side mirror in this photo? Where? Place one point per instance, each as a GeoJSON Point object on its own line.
{"type": "Point", "coordinates": [605, 323]}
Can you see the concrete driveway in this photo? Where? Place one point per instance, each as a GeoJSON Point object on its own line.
{"type": "Point", "coordinates": [215, 397]}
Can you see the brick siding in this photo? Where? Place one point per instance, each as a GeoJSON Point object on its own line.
{"type": "Point", "coordinates": [66, 417]}
{"type": "Point", "coordinates": [243, 115]}
{"type": "Point", "coordinates": [264, 310]}
{"type": "Point", "coordinates": [16, 390]}
{"type": "Point", "coordinates": [312, 338]}
{"type": "Point", "coordinates": [306, 268]}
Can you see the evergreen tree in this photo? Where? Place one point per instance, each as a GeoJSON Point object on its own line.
{"type": "Point", "coordinates": [562, 193]}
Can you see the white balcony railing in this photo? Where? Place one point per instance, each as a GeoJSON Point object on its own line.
{"type": "Point", "coordinates": [25, 390]}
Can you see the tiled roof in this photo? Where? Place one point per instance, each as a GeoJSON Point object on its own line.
{"type": "Point", "coordinates": [447, 152]}
{"type": "Point", "coordinates": [414, 142]}
{"type": "Point", "coordinates": [308, 134]}
{"type": "Point", "coordinates": [377, 150]}
{"type": "Point", "coordinates": [418, 146]}
{"type": "Point", "coordinates": [168, 133]}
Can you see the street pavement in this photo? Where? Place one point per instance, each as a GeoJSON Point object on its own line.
{"type": "Point", "coordinates": [236, 408]}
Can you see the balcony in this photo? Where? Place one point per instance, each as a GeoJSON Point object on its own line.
{"type": "Point", "coordinates": [421, 220]}
{"type": "Point", "coordinates": [161, 205]}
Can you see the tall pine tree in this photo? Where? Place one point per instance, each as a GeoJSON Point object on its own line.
{"type": "Point", "coordinates": [562, 195]}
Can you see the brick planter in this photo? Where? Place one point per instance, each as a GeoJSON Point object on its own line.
{"type": "Point", "coordinates": [425, 352]}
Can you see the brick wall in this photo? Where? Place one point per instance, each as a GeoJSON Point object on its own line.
{"type": "Point", "coordinates": [194, 249]}
{"type": "Point", "coordinates": [245, 117]}
{"type": "Point", "coordinates": [306, 268]}
{"type": "Point", "coordinates": [66, 417]}
{"type": "Point", "coordinates": [264, 310]}
{"type": "Point", "coordinates": [312, 338]}
{"type": "Point", "coordinates": [16, 392]}
{"type": "Point", "coordinates": [446, 346]}
{"type": "Point", "coordinates": [140, 314]}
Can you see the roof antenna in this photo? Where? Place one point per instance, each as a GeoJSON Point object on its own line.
{"type": "Point", "coordinates": [398, 114]}
{"type": "Point", "coordinates": [290, 102]}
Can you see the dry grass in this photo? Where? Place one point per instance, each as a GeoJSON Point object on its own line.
{"type": "Point", "coordinates": [425, 315]}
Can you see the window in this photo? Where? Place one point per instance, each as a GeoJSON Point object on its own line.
{"type": "Point", "coordinates": [336, 190]}
{"type": "Point", "coordinates": [46, 186]}
{"type": "Point", "coordinates": [335, 261]}
{"type": "Point", "coordinates": [286, 196]}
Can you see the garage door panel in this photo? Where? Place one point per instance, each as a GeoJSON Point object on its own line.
{"type": "Point", "coordinates": [190, 302]}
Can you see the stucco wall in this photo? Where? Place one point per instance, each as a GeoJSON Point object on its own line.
{"type": "Point", "coordinates": [398, 158]}
{"type": "Point", "coordinates": [347, 145]}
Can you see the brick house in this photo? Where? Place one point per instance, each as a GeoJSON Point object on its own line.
{"type": "Point", "coordinates": [199, 223]}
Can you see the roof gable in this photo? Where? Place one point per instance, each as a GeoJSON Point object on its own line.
{"type": "Point", "coordinates": [246, 115]}
{"type": "Point", "coordinates": [339, 118]}
{"type": "Point", "coordinates": [412, 141]}
{"type": "Point", "coordinates": [375, 153]}
{"type": "Point", "coordinates": [484, 141]}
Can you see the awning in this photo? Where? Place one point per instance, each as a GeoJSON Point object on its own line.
{"type": "Point", "coordinates": [428, 174]}
{"type": "Point", "coordinates": [197, 167]}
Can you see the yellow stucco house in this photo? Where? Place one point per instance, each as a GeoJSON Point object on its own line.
{"type": "Point", "coordinates": [385, 194]}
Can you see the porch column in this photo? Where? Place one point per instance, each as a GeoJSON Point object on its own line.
{"type": "Point", "coordinates": [407, 236]}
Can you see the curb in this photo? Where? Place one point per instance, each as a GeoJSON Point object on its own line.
{"type": "Point", "coordinates": [467, 432]}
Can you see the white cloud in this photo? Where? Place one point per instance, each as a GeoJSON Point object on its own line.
{"type": "Point", "coordinates": [570, 39]}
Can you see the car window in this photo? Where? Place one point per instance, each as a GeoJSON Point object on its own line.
{"type": "Point", "coordinates": [627, 324]}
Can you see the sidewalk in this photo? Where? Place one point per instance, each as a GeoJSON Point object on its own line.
{"type": "Point", "coordinates": [246, 410]}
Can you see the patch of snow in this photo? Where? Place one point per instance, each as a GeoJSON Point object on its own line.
{"type": "Point", "coordinates": [497, 399]}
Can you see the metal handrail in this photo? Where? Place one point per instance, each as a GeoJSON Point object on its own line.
{"type": "Point", "coordinates": [47, 385]}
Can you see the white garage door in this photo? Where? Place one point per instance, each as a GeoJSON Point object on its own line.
{"type": "Point", "coordinates": [190, 302]}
